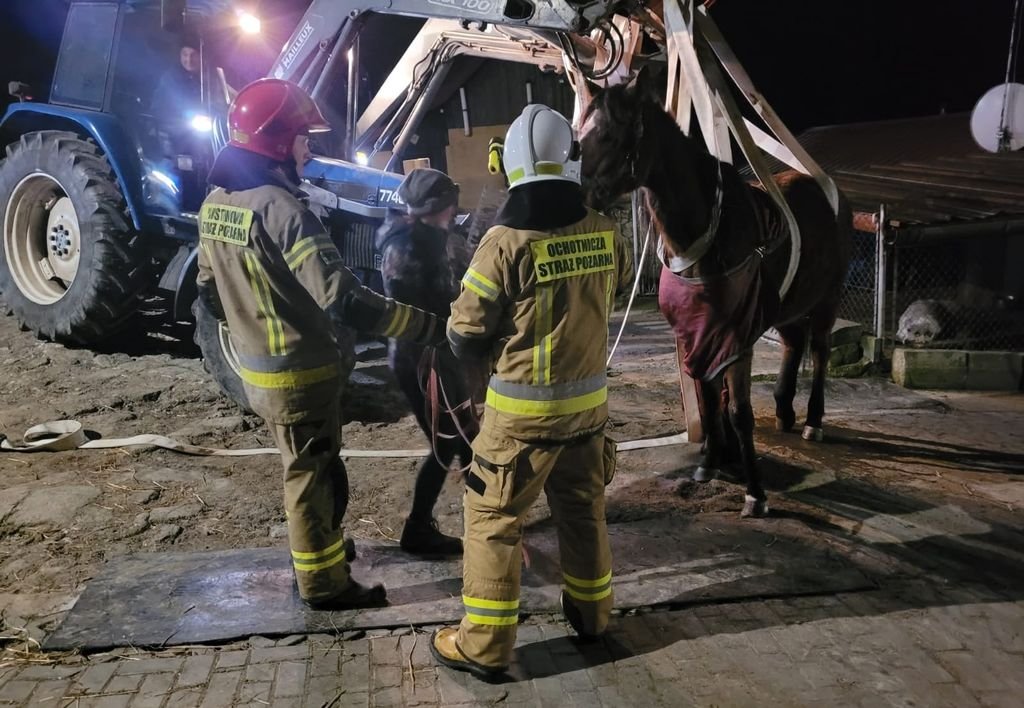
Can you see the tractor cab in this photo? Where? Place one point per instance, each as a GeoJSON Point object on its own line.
{"type": "Point", "coordinates": [166, 89]}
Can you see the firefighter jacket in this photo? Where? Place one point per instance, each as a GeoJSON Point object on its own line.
{"type": "Point", "coordinates": [537, 302]}
{"type": "Point", "coordinates": [272, 271]}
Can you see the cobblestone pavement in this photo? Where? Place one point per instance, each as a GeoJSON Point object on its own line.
{"type": "Point", "coordinates": [911, 644]}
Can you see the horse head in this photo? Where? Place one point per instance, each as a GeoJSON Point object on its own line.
{"type": "Point", "coordinates": [612, 135]}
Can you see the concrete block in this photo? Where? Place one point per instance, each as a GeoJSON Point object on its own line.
{"type": "Point", "coordinates": [930, 368]}
{"type": "Point", "coordinates": [844, 354]}
{"type": "Point", "coordinates": [872, 347]}
{"type": "Point", "coordinates": [846, 332]}
{"type": "Point", "coordinates": [995, 371]}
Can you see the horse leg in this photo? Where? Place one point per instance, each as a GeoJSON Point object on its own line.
{"type": "Point", "coordinates": [709, 394]}
{"type": "Point", "coordinates": [794, 339]}
{"type": "Point", "coordinates": [741, 415]}
{"type": "Point", "coordinates": [821, 345]}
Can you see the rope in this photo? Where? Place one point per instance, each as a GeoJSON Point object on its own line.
{"type": "Point", "coordinates": [632, 295]}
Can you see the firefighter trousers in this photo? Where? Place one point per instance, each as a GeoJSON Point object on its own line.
{"type": "Point", "coordinates": [316, 496]}
{"type": "Point", "coordinates": [503, 482]}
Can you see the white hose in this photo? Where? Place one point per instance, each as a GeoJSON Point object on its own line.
{"type": "Point", "coordinates": [632, 295]}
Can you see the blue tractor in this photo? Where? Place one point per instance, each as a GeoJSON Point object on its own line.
{"type": "Point", "coordinates": [100, 185]}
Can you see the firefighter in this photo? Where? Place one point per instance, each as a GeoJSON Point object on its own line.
{"type": "Point", "coordinates": [535, 301]}
{"type": "Point", "coordinates": [269, 269]}
{"type": "Point", "coordinates": [423, 262]}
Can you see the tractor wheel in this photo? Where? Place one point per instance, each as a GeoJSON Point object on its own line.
{"type": "Point", "coordinates": [219, 357]}
{"type": "Point", "coordinates": [71, 266]}
{"type": "Point", "coordinates": [221, 361]}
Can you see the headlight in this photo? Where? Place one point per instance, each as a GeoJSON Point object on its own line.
{"type": "Point", "coordinates": [201, 123]}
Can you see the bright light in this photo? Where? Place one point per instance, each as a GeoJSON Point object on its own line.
{"type": "Point", "coordinates": [201, 123]}
{"type": "Point", "coordinates": [249, 23]}
{"type": "Point", "coordinates": [164, 179]}
{"type": "Point", "coordinates": [362, 158]}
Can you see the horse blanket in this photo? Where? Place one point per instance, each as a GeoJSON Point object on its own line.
{"type": "Point", "coordinates": [718, 319]}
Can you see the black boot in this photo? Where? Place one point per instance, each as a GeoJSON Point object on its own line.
{"type": "Point", "coordinates": [355, 596]}
{"type": "Point", "coordinates": [422, 538]}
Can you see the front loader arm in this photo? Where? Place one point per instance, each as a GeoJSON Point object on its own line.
{"type": "Point", "coordinates": [326, 21]}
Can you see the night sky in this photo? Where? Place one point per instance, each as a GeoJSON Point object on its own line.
{"type": "Point", "coordinates": [818, 62]}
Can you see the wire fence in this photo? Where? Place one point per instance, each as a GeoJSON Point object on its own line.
{"type": "Point", "coordinates": [954, 294]}
{"type": "Point", "coordinates": [858, 303]}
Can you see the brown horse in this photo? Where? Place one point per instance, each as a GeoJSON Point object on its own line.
{"type": "Point", "coordinates": [725, 251]}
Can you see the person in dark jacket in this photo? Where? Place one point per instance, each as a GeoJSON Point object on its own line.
{"type": "Point", "coordinates": [423, 264]}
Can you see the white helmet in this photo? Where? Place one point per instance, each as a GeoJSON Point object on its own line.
{"type": "Point", "coordinates": [540, 145]}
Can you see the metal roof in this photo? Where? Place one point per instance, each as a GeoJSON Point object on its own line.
{"type": "Point", "coordinates": [927, 171]}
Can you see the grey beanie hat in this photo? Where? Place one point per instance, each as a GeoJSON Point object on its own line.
{"type": "Point", "coordinates": [427, 191]}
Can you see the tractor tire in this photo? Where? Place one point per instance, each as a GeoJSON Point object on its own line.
{"type": "Point", "coordinates": [72, 268]}
{"type": "Point", "coordinates": [219, 358]}
{"type": "Point", "coordinates": [221, 362]}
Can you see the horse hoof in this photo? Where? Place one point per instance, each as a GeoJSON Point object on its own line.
{"type": "Point", "coordinates": [704, 474]}
{"type": "Point", "coordinates": [813, 434]}
{"type": "Point", "coordinates": [755, 507]}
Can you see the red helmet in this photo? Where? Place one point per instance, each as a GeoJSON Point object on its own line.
{"type": "Point", "coordinates": [267, 114]}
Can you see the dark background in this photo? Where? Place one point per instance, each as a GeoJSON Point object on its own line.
{"type": "Point", "coordinates": [818, 62]}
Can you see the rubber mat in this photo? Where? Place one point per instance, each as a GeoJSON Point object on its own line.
{"type": "Point", "coordinates": [163, 599]}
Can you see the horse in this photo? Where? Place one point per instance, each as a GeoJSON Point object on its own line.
{"type": "Point", "coordinates": [725, 249]}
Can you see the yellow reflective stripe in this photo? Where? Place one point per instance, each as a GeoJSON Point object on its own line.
{"type": "Point", "coordinates": [288, 379]}
{"type": "Point", "coordinates": [542, 337]}
{"type": "Point", "coordinates": [314, 555]}
{"type": "Point", "coordinates": [540, 168]}
{"type": "Point", "coordinates": [495, 621]}
{"type": "Point", "coordinates": [610, 294]}
{"type": "Point", "coordinates": [309, 567]}
{"type": "Point", "coordinates": [579, 582]}
{"type": "Point", "coordinates": [565, 406]}
{"type": "Point", "coordinates": [492, 612]}
{"type": "Point", "coordinates": [265, 304]}
{"type": "Point", "coordinates": [481, 285]}
{"type": "Point", "coordinates": [399, 320]}
{"type": "Point", "coordinates": [588, 596]}
{"type": "Point", "coordinates": [483, 604]}
{"type": "Point", "coordinates": [306, 247]}
{"type": "Point", "coordinates": [300, 252]}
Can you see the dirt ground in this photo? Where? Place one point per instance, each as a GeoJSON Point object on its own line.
{"type": "Point", "coordinates": [63, 514]}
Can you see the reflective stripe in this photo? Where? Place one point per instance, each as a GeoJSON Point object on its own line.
{"type": "Point", "coordinates": [288, 379]}
{"type": "Point", "coordinates": [492, 612]}
{"type": "Point", "coordinates": [610, 294]}
{"type": "Point", "coordinates": [540, 168]}
{"type": "Point", "coordinates": [306, 247]}
{"type": "Point", "coordinates": [542, 336]}
{"type": "Point", "coordinates": [588, 590]}
{"type": "Point", "coordinates": [265, 304]}
{"type": "Point", "coordinates": [481, 285]}
{"type": "Point", "coordinates": [309, 561]}
{"type": "Point", "coordinates": [399, 320]}
{"type": "Point", "coordinates": [555, 399]}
